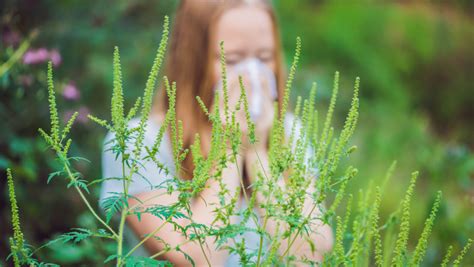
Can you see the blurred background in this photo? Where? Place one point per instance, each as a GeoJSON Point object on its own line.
{"type": "Point", "coordinates": [415, 60]}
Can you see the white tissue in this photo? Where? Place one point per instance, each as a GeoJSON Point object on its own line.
{"type": "Point", "coordinates": [256, 72]}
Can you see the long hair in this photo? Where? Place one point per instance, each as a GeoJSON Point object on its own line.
{"type": "Point", "coordinates": [190, 64]}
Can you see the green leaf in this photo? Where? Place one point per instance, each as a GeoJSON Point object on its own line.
{"type": "Point", "coordinates": [110, 258]}
{"type": "Point", "coordinates": [113, 204]}
{"type": "Point", "coordinates": [75, 236]}
{"type": "Point", "coordinates": [52, 175]}
{"type": "Point", "coordinates": [81, 183]}
{"type": "Point", "coordinates": [164, 212]}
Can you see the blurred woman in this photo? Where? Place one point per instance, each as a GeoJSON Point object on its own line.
{"type": "Point", "coordinates": [252, 49]}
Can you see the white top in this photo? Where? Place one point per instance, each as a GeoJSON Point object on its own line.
{"type": "Point", "coordinates": [154, 176]}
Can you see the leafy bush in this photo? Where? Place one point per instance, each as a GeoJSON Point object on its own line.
{"type": "Point", "coordinates": [360, 239]}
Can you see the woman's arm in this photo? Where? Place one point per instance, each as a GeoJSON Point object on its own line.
{"type": "Point", "coordinates": [202, 210]}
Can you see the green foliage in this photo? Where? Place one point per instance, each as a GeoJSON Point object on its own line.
{"type": "Point", "coordinates": [150, 87]}
{"type": "Point", "coordinates": [114, 204]}
{"type": "Point", "coordinates": [77, 235]}
{"type": "Point", "coordinates": [423, 241]}
{"type": "Point", "coordinates": [250, 123]}
{"type": "Point", "coordinates": [400, 249]}
{"type": "Point", "coordinates": [53, 111]}
{"type": "Point", "coordinates": [458, 260]}
{"type": "Point", "coordinates": [447, 256]}
{"type": "Point", "coordinates": [17, 242]}
{"type": "Point", "coordinates": [117, 97]}
{"type": "Point", "coordinates": [378, 253]}
{"type": "Point", "coordinates": [358, 238]}
{"type": "Point", "coordinates": [405, 108]}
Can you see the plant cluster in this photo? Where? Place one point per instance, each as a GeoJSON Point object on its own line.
{"type": "Point", "coordinates": [292, 193]}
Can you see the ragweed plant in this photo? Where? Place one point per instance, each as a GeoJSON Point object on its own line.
{"type": "Point", "coordinates": [292, 192]}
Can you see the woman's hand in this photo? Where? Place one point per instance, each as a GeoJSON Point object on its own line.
{"type": "Point", "coordinates": [259, 83]}
{"type": "Point", "coordinates": [263, 120]}
{"type": "Point", "coordinates": [234, 95]}
{"type": "Point", "coordinates": [256, 155]}
{"type": "Point", "coordinates": [263, 123]}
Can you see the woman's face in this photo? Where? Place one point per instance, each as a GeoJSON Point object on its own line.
{"type": "Point", "coordinates": [247, 31]}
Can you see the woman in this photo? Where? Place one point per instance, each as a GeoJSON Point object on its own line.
{"type": "Point", "coordinates": [249, 32]}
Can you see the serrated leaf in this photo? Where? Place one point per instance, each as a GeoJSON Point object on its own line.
{"type": "Point", "coordinates": [164, 212]}
{"type": "Point", "coordinates": [113, 204]}
{"type": "Point", "coordinates": [81, 183]}
{"type": "Point", "coordinates": [186, 256]}
{"type": "Point", "coordinates": [75, 236]}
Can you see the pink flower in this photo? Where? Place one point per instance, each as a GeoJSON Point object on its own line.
{"type": "Point", "coordinates": [35, 56]}
{"type": "Point", "coordinates": [40, 55]}
{"type": "Point", "coordinates": [55, 57]}
{"type": "Point", "coordinates": [70, 91]}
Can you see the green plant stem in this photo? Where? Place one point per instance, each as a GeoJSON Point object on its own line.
{"type": "Point", "coordinates": [68, 170]}
{"type": "Point", "coordinates": [14, 58]}
{"type": "Point", "coordinates": [94, 213]}
{"type": "Point", "coordinates": [261, 164]}
{"type": "Point", "coordinates": [241, 179]}
{"type": "Point", "coordinates": [123, 217]}
{"type": "Point", "coordinates": [147, 237]}
{"type": "Point", "coordinates": [202, 248]}
{"type": "Point", "coordinates": [356, 240]}
{"type": "Point", "coordinates": [288, 246]}
{"type": "Point", "coordinates": [297, 233]}
{"type": "Point", "coordinates": [243, 188]}
{"type": "Point", "coordinates": [167, 250]}
{"type": "Point", "coordinates": [265, 220]}
{"type": "Point", "coordinates": [260, 246]}
{"type": "Point", "coordinates": [146, 200]}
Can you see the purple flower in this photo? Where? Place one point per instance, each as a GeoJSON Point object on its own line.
{"type": "Point", "coordinates": [40, 55]}
{"type": "Point", "coordinates": [70, 91]}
